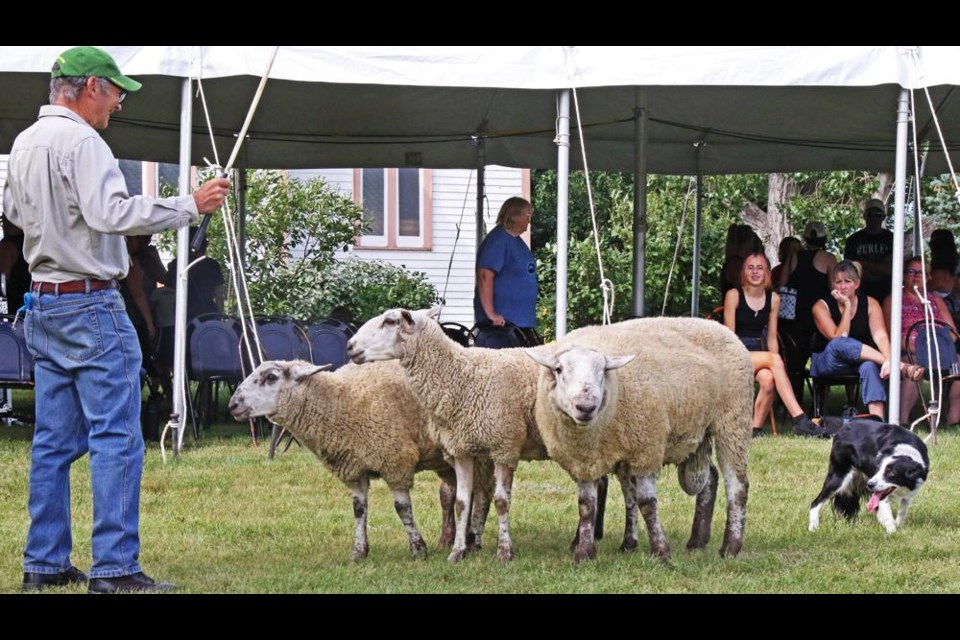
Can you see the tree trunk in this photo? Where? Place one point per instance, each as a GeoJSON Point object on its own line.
{"type": "Point", "coordinates": [772, 225]}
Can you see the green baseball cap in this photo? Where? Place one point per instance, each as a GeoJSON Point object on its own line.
{"type": "Point", "coordinates": [90, 61]}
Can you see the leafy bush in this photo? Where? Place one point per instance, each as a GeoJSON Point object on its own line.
{"type": "Point", "coordinates": [367, 288]}
{"type": "Point", "coordinates": [293, 232]}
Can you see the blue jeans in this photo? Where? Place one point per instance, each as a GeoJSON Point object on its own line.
{"type": "Point", "coordinates": [88, 399]}
{"type": "Point", "coordinates": [841, 357]}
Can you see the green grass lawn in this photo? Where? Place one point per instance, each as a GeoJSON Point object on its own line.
{"type": "Point", "coordinates": [223, 518]}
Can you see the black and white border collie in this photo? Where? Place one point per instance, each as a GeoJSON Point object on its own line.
{"type": "Point", "coordinates": [883, 461]}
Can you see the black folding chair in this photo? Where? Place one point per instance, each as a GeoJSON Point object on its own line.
{"type": "Point", "coordinates": [213, 356]}
{"type": "Point", "coordinates": [947, 340]}
{"type": "Point", "coordinates": [16, 363]}
{"type": "Point", "coordinates": [458, 333]}
{"type": "Point", "coordinates": [328, 342]}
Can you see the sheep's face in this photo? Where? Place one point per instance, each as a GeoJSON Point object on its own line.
{"type": "Point", "coordinates": [577, 379]}
{"type": "Point", "coordinates": [383, 337]}
{"type": "Point", "coordinates": [258, 394]}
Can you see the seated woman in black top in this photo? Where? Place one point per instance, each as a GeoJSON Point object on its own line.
{"type": "Point", "coordinates": [751, 311]}
{"type": "Point", "coordinates": [852, 338]}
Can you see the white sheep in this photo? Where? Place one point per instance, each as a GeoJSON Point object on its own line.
{"type": "Point", "coordinates": [361, 423]}
{"type": "Point", "coordinates": [689, 381]}
{"type": "Point", "coordinates": [481, 403]}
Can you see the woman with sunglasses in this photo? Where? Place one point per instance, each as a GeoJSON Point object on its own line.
{"type": "Point", "coordinates": [913, 312]}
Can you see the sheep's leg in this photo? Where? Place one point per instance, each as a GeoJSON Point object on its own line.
{"type": "Point", "coordinates": [587, 502]}
{"type": "Point", "coordinates": [501, 499]}
{"type": "Point", "coordinates": [703, 512]}
{"type": "Point", "coordinates": [448, 494]}
{"type": "Point", "coordinates": [601, 485]}
{"type": "Point", "coordinates": [464, 468]}
{"type": "Point", "coordinates": [478, 517]}
{"type": "Point", "coordinates": [404, 509]}
{"type": "Point", "coordinates": [359, 491]}
{"type": "Point", "coordinates": [647, 501]}
{"type": "Point", "coordinates": [732, 456]}
{"type": "Point", "coordinates": [631, 525]}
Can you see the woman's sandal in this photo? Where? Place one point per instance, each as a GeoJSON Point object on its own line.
{"type": "Point", "coordinates": [911, 371]}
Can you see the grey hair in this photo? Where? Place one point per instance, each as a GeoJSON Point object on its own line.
{"type": "Point", "coordinates": [68, 87]}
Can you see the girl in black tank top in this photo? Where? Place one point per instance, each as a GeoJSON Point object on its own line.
{"type": "Point", "coordinates": [750, 324]}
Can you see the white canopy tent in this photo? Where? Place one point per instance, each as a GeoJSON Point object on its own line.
{"type": "Point", "coordinates": [673, 110]}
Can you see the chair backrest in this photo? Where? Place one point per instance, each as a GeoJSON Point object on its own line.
{"type": "Point", "coordinates": [947, 341]}
{"type": "Point", "coordinates": [213, 348]}
{"type": "Point", "coordinates": [282, 338]}
{"type": "Point", "coordinates": [16, 363]}
{"type": "Point", "coordinates": [328, 341]}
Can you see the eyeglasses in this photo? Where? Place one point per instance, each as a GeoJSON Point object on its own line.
{"type": "Point", "coordinates": [121, 95]}
{"type": "Point", "coordinates": [876, 213]}
{"type": "Point", "coordinates": [913, 272]}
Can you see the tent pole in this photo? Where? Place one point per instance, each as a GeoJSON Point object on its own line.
{"type": "Point", "coordinates": [242, 215]}
{"type": "Point", "coordinates": [697, 232]}
{"type": "Point", "coordinates": [481, 190]}
{"type": "Point", "coordinates": [183, 252]}
{"type": "Point", "coordinates": [639, 210]}
{"type": "Point", "coordinates": [896, 320]}
{"type": "Point", "coordinates": [563, 202]}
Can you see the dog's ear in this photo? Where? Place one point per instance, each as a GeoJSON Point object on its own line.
{"type": "Point", "coordinates": [917, 473]}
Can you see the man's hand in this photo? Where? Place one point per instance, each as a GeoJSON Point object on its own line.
{"type": "Point", "coordinates": [211, 195]}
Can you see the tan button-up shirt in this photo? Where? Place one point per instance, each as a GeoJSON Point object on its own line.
{"type": "Point", "coordinates": [65, 190]}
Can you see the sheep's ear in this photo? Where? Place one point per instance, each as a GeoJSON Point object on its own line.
{"type": "Point", "coordinates": [549, 360]}
{"type": "Point", "coordinates": [302, 372]}
{"type": "Point", "coordinates": [615, 362]}
{"type": "Point", "coordinates": [406, 320]}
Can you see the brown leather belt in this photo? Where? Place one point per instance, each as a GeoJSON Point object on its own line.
{"type": "Point", "coordinates": [73, 286]}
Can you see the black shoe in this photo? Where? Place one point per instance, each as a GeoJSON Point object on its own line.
{"type": "Point", "coordinates": [38, 581]}
{"type": "Point", "coordinates": [133, 583]}
{"type": "Point", "coordinates": [758, 432]}
{"type": "Point", "coordinates": [804, 426]}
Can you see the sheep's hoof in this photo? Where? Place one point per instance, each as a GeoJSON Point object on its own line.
{"type": "Point", "coordinates": [583, 555]}
{"type": "Point", "coordinates": [456, 555]}
{"type": "Point", "coordinates": [697, 542]}
{"type": "Point", "coordinates": [661, 551]}
{"type": "Point", "coordinates": [418, 548]}
{"type": "Point", "coordinates": [731, 548]}
{"type": "Point", "coordinates": [504, 553]}
{"type": "Point", "coordinates": [629, 545]}
{"type": "Point", "coordinates": [360, 553]}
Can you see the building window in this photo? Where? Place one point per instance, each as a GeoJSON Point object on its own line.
{"type": "Point", "coordinates": [397, 205]}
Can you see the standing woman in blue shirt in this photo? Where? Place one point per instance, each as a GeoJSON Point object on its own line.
{"type": "Point", "coordinates": [506, 292]}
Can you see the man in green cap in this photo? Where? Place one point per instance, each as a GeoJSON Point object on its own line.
{"type": "Point", "coordinates": [65, 190]}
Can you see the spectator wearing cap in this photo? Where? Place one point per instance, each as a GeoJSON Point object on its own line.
{"type": "Point", "coordinates": [872, 247]}
{"type": "Point", "coordinates": [65, 190]}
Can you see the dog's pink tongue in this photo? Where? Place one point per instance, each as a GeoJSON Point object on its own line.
{"type": "Point", "coordinates": [874, 502]}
